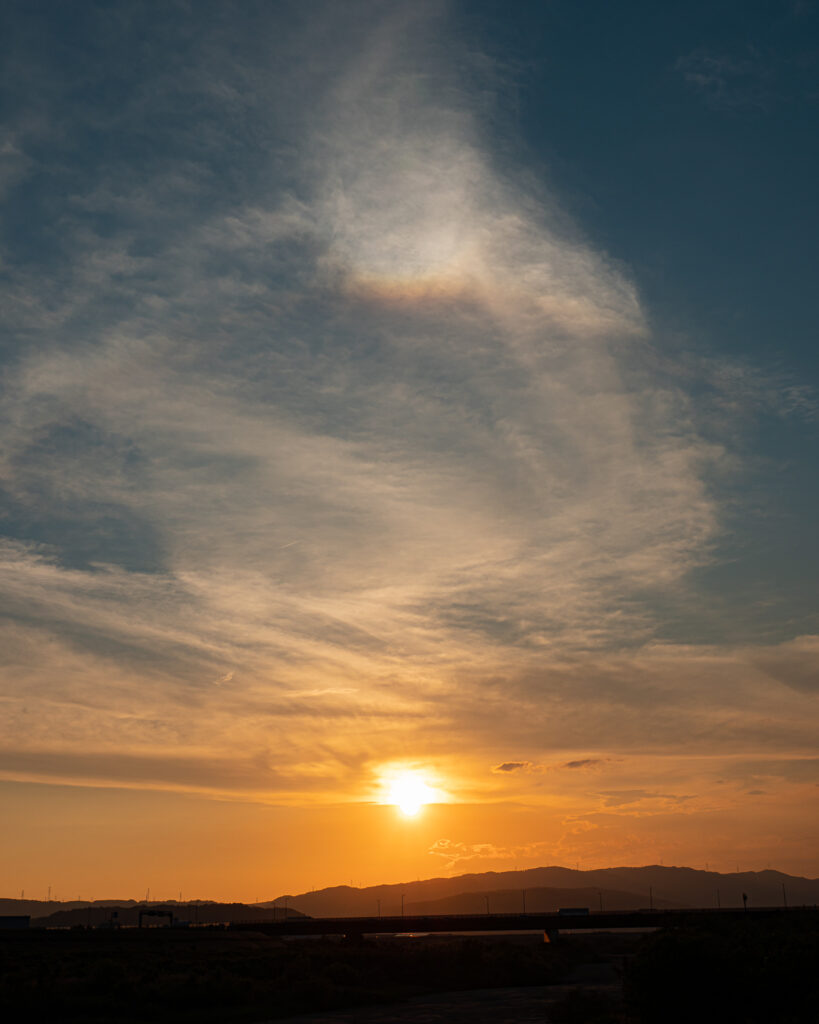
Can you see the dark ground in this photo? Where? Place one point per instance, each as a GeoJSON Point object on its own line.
{"type": "Point", "coordinates": [736, 973]}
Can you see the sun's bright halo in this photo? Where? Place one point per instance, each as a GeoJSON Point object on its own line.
{"type": "Point", "coordinates": [409, 793]}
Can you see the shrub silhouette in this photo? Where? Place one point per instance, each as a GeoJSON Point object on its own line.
{"type": "Point", "coordinates": [744, 971]}
{"type": "Point", "coordinates": [205, 975]}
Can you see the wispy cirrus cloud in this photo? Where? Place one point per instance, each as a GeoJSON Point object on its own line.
{"type": "Point", "coordinates": [727, 81]}
{"type": "Point", "coordinates": [456, 853]}
{"type": "Point", "coordinates": [352, 433]}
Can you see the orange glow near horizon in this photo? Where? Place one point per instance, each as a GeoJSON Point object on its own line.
{"type": "Point", "coordinates": [105, 844]}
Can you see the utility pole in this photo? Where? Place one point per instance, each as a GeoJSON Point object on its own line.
{"type": "Point", "coordinates": [523, 893]}
{"type": "Point", "coordinates": [379, 907]}
{"type": "Point", "coordinates": [402, 904]}
{"type": "Point", "coordinates": [784, 896]}
{"type": "Point", "coordinates": [651, 898]}
{"type": "Point", "coordinates": [487, 905]}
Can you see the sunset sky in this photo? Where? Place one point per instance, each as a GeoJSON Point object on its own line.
{"type": "Point", "coordinates": [403, 391]}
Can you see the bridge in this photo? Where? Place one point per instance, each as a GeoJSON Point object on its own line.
{"type": "Point", "coordinates": [549, 923]}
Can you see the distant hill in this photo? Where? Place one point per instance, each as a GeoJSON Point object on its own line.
{"type": "Point", "coordinates": [627, 888]}
{"type": "Point", "coordinates": [51, 914]}
{"type": "Point", "coordinates": [42, 908]}
{"type": "Point", "coordinates": [198, 913]}
{"type": "Point", "coordinates": [547, 888]}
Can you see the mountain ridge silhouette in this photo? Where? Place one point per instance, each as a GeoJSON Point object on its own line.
{"type": "Point", "coordinates": [545, 888]}
{"type": "Point", "coordinates": [623, 888]}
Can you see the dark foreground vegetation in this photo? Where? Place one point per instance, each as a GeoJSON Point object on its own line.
{"type": "Point", "coordinates": [739, 972]}
{"type": "Point", "coordinates": [204, 975]}
{"type": "Point", "coordinates": [734, 972]}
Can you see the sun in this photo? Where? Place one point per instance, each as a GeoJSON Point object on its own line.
{"type": "Point", "coordinates": [409, 793]}
{"type": "Point", "coordinates": [409, 788]}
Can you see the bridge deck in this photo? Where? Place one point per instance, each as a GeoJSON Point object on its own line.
{"type": "Point", "coordinates": [551, 922]}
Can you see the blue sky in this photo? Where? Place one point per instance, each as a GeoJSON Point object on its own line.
{"type": "Point", "coordinates": [682, 138]}
{"type": "Point", "coordinates": [386, 373]}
